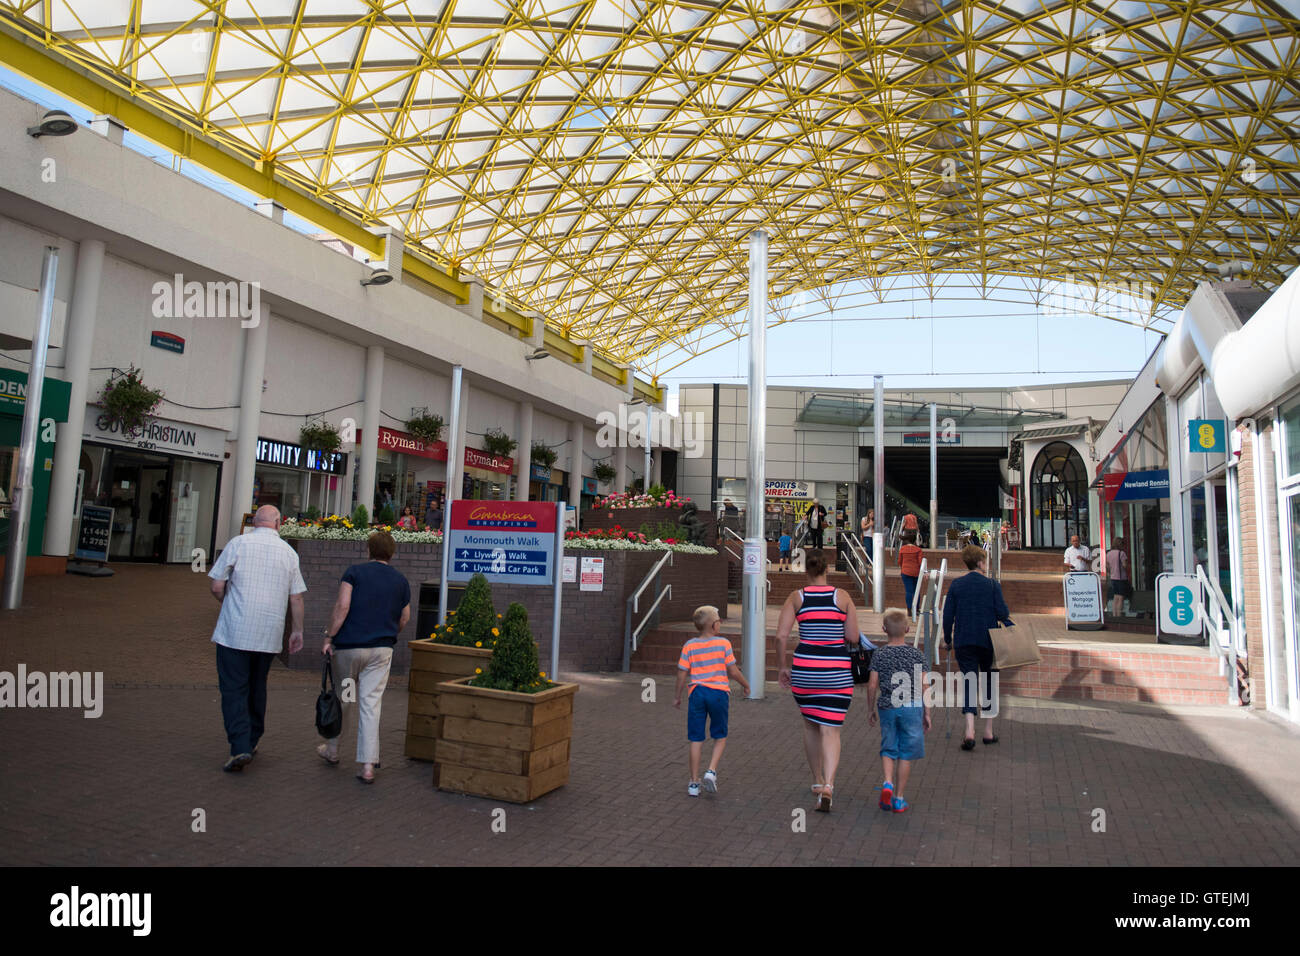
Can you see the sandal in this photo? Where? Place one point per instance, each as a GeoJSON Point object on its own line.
{"type": "Point", "coordinates": [968, 743]}
{"type": "Point", "coordinates": [361, 775]}
{"type": "Point", "coordinates": [324, 755]}
{"type": "Point", "coordinates": [817, 788]}
{"type": "Point", "coordinates": [824, 799]}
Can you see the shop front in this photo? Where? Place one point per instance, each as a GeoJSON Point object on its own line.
{"type": "Point", "coordinates": [786, 503]}
{"type": "Point", "coordinates": [409, 473]}
{"type": "Point", "coordinates": [1136, 518]}
{"type": "Point", "coordinates": [546, 484]}
{"type": "Point", "coordinates": [299, 480]}
{"type": "Point", "coordinates": [13, 402]}
{"type": "Point", "coordinates": [162, 485]}
{"type": "Point", "coordinates": [488, 477]}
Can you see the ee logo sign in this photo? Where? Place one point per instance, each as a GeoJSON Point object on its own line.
{"type": "Point", "coordinates": [1207, 435]}
{"type": "Point", "coordinates": [1180, 606]}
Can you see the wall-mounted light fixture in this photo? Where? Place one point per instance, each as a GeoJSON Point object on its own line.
{"type": "Point", "coordinates": [378, 277]}
{"type": "Point", "coordinates": [54, 123]}
{"type": "Point", "coordinates": [535, 354]}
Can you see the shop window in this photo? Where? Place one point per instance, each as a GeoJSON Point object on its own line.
{"type": "Point", "coordinates": [1291, 429]}
{"type": "Point", "coordinates": [1059, 490]}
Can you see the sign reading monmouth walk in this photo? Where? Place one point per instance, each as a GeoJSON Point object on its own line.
{"type": "Point", "coordinates": [509, 542]}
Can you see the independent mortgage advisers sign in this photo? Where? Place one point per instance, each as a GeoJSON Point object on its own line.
{"type": "Point", "coordinates": [507, 541]}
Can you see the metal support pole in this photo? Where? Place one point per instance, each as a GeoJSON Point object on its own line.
{"type": "Point", "coordinates": [559, 591]}
{"type": "Point", "coordinates": [649, 431]}
{"type": "Point", "coordinates": [878, 538]}
{"type": "Point", "coordinates": [20, 512]}
{"type": "Point", "coordinates": [754, 594]}
{"type": "Point", "coordinates": [934, 476]}
{"type": "Point", "coordinates": [455, 464]}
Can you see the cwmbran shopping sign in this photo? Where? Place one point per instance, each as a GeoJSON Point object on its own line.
{"type": "Point", "coordinates": [508, 542]}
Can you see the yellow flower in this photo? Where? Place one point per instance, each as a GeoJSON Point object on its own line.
{"type": "Point", "coordinates": [451, 613]}
{"type": "Point", "coordinates": [543, 673]}
{"type": "Point", "coordinates": [498, 617]}
{"type": "Point", "coordinates": [478, 643]}
{"type": "Point", "coordinates": [478, 670]}
{"type": "Point", "coordinates": [495, 632]}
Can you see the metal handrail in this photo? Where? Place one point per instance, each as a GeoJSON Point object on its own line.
{"type": "Point", "coordinates": [634, 604]}
{"type": "Point", "coordinates": [1225, 651]}
{"type": "Point", "coordinates": [860, 565]}
{"type": "Point", "coordinates": [728, 533]}
{"type": "Point", "coordinates": [916, 595]}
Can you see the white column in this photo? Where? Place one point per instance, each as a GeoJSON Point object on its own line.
{"type": "Point", "coordinates": [250, 416]}
{"type": "Point", "coordinates": [368, 447]}
{"type": "Point", "coordinates": [620, 464]}
{"type": "Point", "coordinates": [78, 341]}
{"type": "Point", "coordinates": [524, 463]}
{"type": "Point", "coordinates": [575, 472]}
{"type": "Point", "coordinates": [658, 468]}
{"type": "Point", "coordinates": [456, 462]}
{"type": "Point", "coordinates": [753, 620]}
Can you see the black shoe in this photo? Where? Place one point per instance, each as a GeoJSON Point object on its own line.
{"type": "Point", "coordinates": [237, 763]}
{"type": "Point", "coordinates": [991, 740]}
{"type": "Point", "coordinates": [968, 744]}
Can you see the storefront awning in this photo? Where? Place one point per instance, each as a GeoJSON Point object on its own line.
{"type": "Point", "coordinates": [856, 411]}
{"type": "Point", "coordinates": [1063, 430]}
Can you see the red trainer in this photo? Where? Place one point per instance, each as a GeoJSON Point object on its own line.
{"type": "Point", "coordinates": [886, 796]}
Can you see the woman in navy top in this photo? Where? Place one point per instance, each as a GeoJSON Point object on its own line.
{"type": "Point", "coordinates": [373, 605]}
{"type": "Point", "coordinates": [973, 605]}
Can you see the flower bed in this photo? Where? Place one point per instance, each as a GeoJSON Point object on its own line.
{"type": "Point", "coordinates": [621, 539]}
{"type": "Point", "coordinates": [668, 499]}
{"type": "Point", "coordinates": [336, 528]}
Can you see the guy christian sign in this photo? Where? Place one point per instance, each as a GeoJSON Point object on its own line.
{"type": "Point", "coordinates": [509, 542]}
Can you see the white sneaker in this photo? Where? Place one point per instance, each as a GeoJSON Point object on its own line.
{"type": "Point", "coordinates": [710, 781]}
{"type": "Point", "coordinates": [692, 789]}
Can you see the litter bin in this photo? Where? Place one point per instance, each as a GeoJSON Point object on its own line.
{"type": "Point", "coordinates": [427, 619]}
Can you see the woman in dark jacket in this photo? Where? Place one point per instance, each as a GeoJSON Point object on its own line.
{"type": "Point", "coordinates": [973, 605]}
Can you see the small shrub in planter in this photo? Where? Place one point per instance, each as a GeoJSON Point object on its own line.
{"type": "Point", "coordinates": [385, 515]}
{"type": "Point", "coordinates": [514, 664]}
{"type": "Point", "coordinates": [427, 428]}
{"type": "Point", "coordinates": [360, 517]}
{"type": "Point", "coordinates": [475, 622]}
{"type": "Point", "coordinates": [320, 436]}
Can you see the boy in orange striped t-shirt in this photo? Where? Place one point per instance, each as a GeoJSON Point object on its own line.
{"type": "Point", "coordinates": [707, 662]}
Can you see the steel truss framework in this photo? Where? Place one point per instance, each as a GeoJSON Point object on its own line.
{"type": "Point", "coordinates": [602, 161]}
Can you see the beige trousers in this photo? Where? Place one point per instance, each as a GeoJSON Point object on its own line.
{"type": "Point", "coordinates": [366, 670]}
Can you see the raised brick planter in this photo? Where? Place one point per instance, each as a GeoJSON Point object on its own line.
{"type": "Point", "coordinates": [591, 622]}
{"type": "Point", "coordinates": [633, 518]}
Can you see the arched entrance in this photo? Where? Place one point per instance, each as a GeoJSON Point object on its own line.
{"type": "Point", "coordinates": [1059, 491]}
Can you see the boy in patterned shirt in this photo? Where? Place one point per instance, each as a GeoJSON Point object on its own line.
{"type": "Point", "coordinates": [707, 661]}
{"type": "Point", "coordinates": [896, 688]}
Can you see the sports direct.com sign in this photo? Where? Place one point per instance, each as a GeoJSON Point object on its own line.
{"type": "Point", "coordinates": [801, 490]}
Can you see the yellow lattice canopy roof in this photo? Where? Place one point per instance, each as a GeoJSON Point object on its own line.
{"type": "Point", "coordinates": [603, 161]}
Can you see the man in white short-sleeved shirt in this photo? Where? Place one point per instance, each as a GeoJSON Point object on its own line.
{"type": "Point", "coordinates": [256, 575]}
{"type": "Point", "coordinates": [1077, 556]}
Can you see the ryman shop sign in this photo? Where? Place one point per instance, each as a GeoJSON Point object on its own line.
{"type": "Point", "coordinates": [160, 435]}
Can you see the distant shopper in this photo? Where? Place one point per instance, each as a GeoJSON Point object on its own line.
{"type": "Point", "coordinates": [255, 577]}
{"type": "Point", "coordinates": [973, 605]}
{"type": "Point", "coordinates": [816, 517]}
{"type": "Point", "coordinates": [729, 507]}
{"type": "Point", "coordinates": [896, 698]}
{"type": "Point", "coordinates": [1077, 556]}
{"type": "Point", "coordinates": [706, 662]}
{"type": "Point", "coordinates": [783, 546]}
{"type": "Point", "coordinates": [1121, 588]}
{"type": "Point", "coordinates": [372, 607]}
{"type": "Point", "coordinates": [910, 523]}
{"type": "Point", "coordinates": [909, 565]}
{"type": "Point", "coordinates": [821, 674]}
{"type": "Point", "coordinates": [433, 515]}
{"type": "Point", "coordinates": [407, 521]}
{"type": "Point", "coordinates": [868, 530]}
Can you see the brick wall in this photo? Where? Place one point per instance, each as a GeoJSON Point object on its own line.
{"type": "Point", "coordinates": [591, 622]}
{"type": "Point", "coordinates": [1257, 614]}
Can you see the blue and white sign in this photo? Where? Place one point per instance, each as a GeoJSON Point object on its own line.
{"type": "Point", "coordinates": [507, 542]}
{"type": "Point", "coordinates": [1178, 603]}
{"type": "Point", "coordinates": [1207, 435]}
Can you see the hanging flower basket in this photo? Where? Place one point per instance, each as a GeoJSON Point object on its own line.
{"type": "Point", "coordinates": [128, 403]}
{"type": "Point", "coordinates": [320, 435]}
{"type": "Point", "coordinates": [543, 455]}
{"type": "Point", "coordinates": [604, 473]}
{"type": "Point", "coordinates": [427, 428]}
{"type": "Point", "coordinates": [497, 442]}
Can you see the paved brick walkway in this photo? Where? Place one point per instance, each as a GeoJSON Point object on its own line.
{"type": "Point", "coordinates": [1206, 786]}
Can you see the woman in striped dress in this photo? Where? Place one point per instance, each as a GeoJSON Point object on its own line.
{"type": "Point", "coordinates": [821, 676]}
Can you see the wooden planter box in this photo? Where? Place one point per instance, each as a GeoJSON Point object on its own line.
{"type": "Point", "coordinates": [501, 744]}
{"type": "Point", "coordinates": [431, 665]}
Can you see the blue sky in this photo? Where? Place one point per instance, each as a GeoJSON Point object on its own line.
{"type": "Point", "coordinates": [958, 340]}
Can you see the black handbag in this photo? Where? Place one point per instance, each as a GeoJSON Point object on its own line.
{"type": "Point", "coordinates": [329, 712]}
{"type": "Point", "coordinates": [860, 658]}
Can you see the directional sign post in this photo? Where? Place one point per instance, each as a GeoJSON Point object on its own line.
{"type": "Point", "coordinates": [509, 542]}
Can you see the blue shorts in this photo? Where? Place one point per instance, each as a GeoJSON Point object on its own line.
{"type": "Point", "coordinates": [902, 733]}
{"type": "Point", "coordinates": [706, 702]}
{"type": "Point", "coordinates": [785, 555]}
